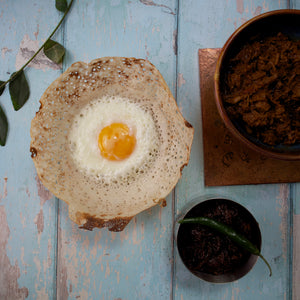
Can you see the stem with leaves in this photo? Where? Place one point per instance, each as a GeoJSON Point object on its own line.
{"type": "Point", "coordinates": [18, 85]}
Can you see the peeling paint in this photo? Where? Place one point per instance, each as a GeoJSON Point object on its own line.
{"type": "Point", "coordinates": [97, 244]}
{"type": "Point", "coordinates": [39, 221]}
{"type": "Point", "coordinates": [235, 294]}
{"type": "Point", "coordinates": [44, 196]}
{"type": "Point", "coordinates": [107, 270]}
{"type": "Point", "coordinates": [43, 193]}
{"type": "Point", "coordinates": [283, 213]}
{"type": "Point", "coordinates": [175, 42]}
{"type": "Point", "coordinates": [126, 259]}
{"type": "Point", "coordinates": [240, 6]}
{"type": "Point", "coordinates": [27, 49]}
{"type": "Point", "coordinates": [124, 235]}
{"type": "Point", "coordinates": [27, 192]}
{"type": "Point", "coordinates": [257, 11]}
{"type": "Point", "coordinates": [135, 241]}
{"type": "Point", "coordinates": [84, 295]}
{"type": "Point", "coordinates": [181, 80]}
{"type": "Point", "coordinates": [37, 31]}
{"type": "Point", "coordinates": [5, 50]}
{"type": "Point", "coordinates": [47, 263]}
{"type": "Point", "coordinates": [24, 264]}
{"type": "Point", "coordinates": [62, 287]}
{"type": "Point", "coordinates": [147, 52]}
{"type": "Point", "coordinates": [22, 220]}
{"type": "Point", "coordinates": [113, 235]}
{"type": "Point", "coordinates": [42, 294]}
{"type": "Point", "coordinates": [4, 191]}
{"type": "Point", "coordinates": [163, 231]}
{"type": "Point", "coordinates": [296, 255]}
{"type": "Point", "coordinates": [38, 268]}
{"type": "Point", "coordinates": [9, 287]}
{"type": "Point", "coordinates": [151, 3]}
{"type": "Point", "coordinates": [155, 233]}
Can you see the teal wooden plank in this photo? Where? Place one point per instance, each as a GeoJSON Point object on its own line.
{"type": "Point", "coordinates": [28, 211]}
{"type": "Point", "coordinates": [207, 24]}
{"type": "Point", "coordinates": [295, 4]}
{"type": "Point", "coordinates": [295, 259]}
{"type": "Point", "coordinates": [136, 263]}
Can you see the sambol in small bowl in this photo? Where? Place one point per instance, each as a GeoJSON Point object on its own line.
{"type": "Point", "coordinates": [218, 239]}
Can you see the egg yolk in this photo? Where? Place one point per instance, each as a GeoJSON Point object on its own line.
{"type": "Point", "coordinates": [116, 142]}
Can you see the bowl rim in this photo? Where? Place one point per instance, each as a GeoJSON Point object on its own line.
{"type": "Point", "coordinates": [218, 99]}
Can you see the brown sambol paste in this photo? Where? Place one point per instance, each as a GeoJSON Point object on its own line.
{"type": "Point", "coordinates": [204, 250]}
{"type": "Point", "coordinates": [262, 90]}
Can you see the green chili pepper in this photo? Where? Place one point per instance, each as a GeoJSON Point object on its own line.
{"type": "Point", "coordinates": [228, 231]}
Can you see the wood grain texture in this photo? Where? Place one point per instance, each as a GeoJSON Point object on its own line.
{"type": "Point", "coordinates": [136, 263]}
{"type": "Point", "coordinates": [43, 255]}
{"type": "Point", "coordinates": [295, 261]}
{"type": "Point", "coordinates": [270, 204]}
{"type": "Point", "coordinates": [28, 253]}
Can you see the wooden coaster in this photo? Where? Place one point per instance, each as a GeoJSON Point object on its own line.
{"type": "Point", "coordinates": [227, 161]}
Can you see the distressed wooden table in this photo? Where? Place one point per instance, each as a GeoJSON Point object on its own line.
{"type": "Point", "coordinates": [43, 255]}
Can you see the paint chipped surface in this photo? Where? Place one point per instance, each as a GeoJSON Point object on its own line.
{"type": "Point", "coordinates": [283, 208]}
{"type": "Point", "coordinates": [257, 11]}
{"type": "Point", "coordinates": [5, 50]}
{"type": "Point", "coordinates": [296, 257]}
{"type": "Point", "coordinates": [62, 287]}
{"type": "Point", "coordinates": [4, 190]}
{"type": "Point", "coordinates": [112, 263]}
{"type": "Point", "coordinates": [240, 6]}
{"type": "Point", "coordinates": [39, 221]}
{"type": "Point", "coordinates": [181, 80]}
{"type": "Point", "coordinates": [27, 49]}
{"type": "Point", "coordinates": [9, 287]}
{"type": "Point", "coordinates": [174, 42]}
{"type": "Point", "coordinates": [44, 196]}
{"type": "Point", "coordinates": [167, 9]}
{"type": "Point", "coordinates": [43, 193]}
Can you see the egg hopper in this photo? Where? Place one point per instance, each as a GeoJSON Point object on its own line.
{"type": "Point", "coordinates": [99, 197]}
{"type": "Point", "coordinates": [226, 160]}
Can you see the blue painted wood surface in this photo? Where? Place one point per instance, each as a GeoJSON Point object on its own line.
{"type": "Point", "coordinates": [43, 255]}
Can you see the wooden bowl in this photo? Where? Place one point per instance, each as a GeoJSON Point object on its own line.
{"type": "Point", "coordinates": [258, 28]}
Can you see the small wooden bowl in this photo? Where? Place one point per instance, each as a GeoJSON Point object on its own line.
{"type": "Point", "coordinates": [265, 25]}
{"type": "Point", "coordinates": [199, 245]}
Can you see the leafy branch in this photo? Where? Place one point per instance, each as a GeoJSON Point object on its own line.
{"type": "Point", "coordinates": [18, 85]}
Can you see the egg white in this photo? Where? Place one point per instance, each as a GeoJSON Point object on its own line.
{"type": "Point", "coordinates": [83, 136]}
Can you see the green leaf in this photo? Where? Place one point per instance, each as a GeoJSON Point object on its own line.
{"type": "Point", "coordinates": [61, 5]}
{"type": "Point", "coordinates": [19, 90]}
{"type": "Point", "coordinates": [3, 88]}
{"type": "Point", "coordinates": [3, 127]}
{"type": "Point", "coordinates": [54, 51]}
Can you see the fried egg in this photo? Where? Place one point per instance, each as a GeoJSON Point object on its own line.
{"type": "Point", "coordinates": [113, 137]}
{"type": "Point", "coordinates": [109, 140]}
